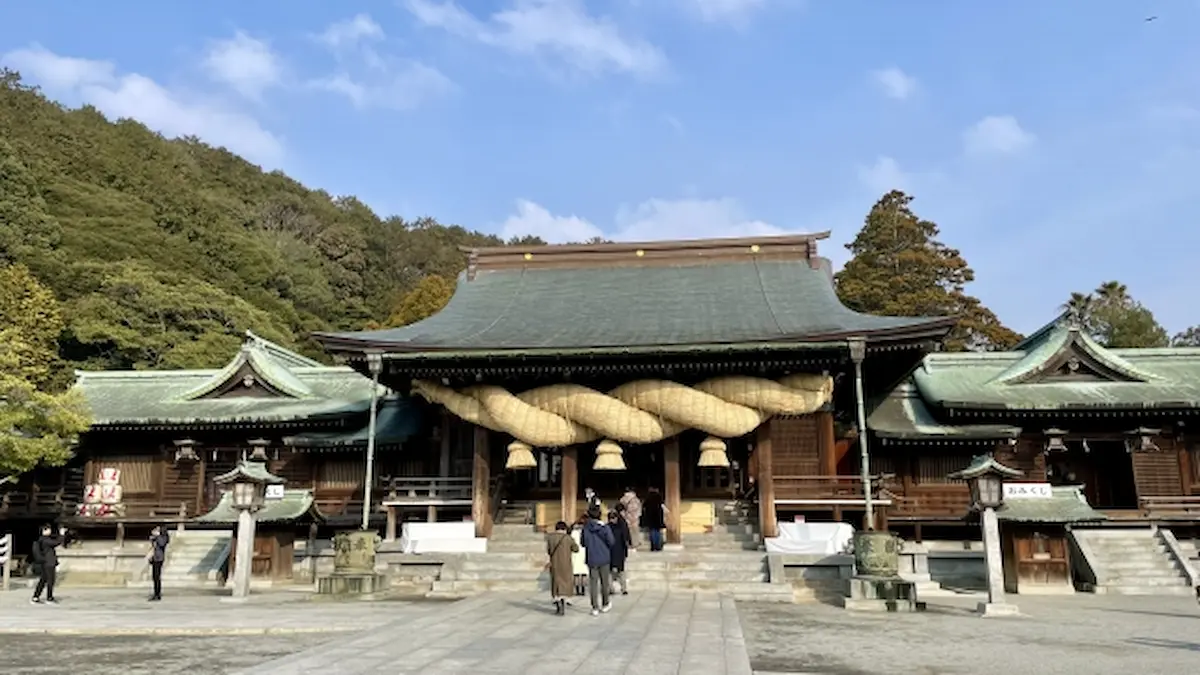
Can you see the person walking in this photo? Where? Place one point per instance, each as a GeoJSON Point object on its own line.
{"type": "Point", "coordinates": [598, 540]}
{"type": "Point", "coordinates": [156, 557]}
{"type": "Point", "coordinates": [654, 518]}
{"type": "Point", "coordinates": [579, 557]}
{"type": "Point", "coordinates": [45, 560]}
{"type": "Point", "coordinates": [633, 517]}
{"type": "Point", "coordinates": [592, 499]}
{"type": "Point", "coordinates": [560, 546]}
{"type": "Point", "coordinates": [620, 548]}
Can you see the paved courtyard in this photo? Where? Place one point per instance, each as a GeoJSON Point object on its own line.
{"type": "Point", "coordinates": [116, 631]}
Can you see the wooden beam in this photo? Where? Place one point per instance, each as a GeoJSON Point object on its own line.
{"type": "Point", "coordinates": [569, 479]}
{"type": "Point", "coordinates": [672, 494]}
{"type": "Point", "coordinates": [481, 484]}
{"type": "Point", "coordinates": [767, 518]}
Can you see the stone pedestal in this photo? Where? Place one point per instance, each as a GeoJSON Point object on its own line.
{"type": "Point", "coordinates": [990, 610]}
{"type": "Point", "coordinates": [882, 594]}
{"type": "Point", "coordinates": [353, 565]}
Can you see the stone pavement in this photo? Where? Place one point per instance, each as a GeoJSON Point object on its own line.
{"type": "Point", "coordinates": [115, 612]}
{"type": "Point", "coordinates": [645, 634]}
{"type": "Point", "coordinates": [1082, 634]}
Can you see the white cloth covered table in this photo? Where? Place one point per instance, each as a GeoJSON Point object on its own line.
{"type": "Point", "coordinates": [441, 538]}
{"type": "Point", "coordinates": [811, 538]}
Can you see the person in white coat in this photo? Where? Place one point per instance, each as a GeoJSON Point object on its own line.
{"type": "Point", "coordinates": [579, 566]}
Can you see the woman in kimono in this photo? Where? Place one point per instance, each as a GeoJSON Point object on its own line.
{"type": "Point", "coordinates": [561, 547]}
{"type": "Point", "coordinates": [633, 516]}
{"type": "Point", "coordinates": [579, 558]}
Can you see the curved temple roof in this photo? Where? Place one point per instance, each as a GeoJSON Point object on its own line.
{"type": "Point", "coordinates": [640, 295]}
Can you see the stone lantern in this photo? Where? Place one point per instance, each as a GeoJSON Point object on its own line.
{"type": "Point", "coordinates": [247, 483]}
{"type": "Point", "coordinates": [985, 479]}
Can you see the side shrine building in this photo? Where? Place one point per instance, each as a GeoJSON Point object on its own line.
{"type": "Point", "coordinates": [159, 438]}
{"type": "Point", "coordinates": [711, 370]}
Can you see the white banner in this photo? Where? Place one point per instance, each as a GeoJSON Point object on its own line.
{"type": "Point", "coordinates": [1028, 491]}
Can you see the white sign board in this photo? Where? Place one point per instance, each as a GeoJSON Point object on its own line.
{"type": "Point", "coordinates": [5, 548]}
{"type": "Point", "coordinates": [274, 492]}
{"type": "Point", "coordinates": [1028, 491]}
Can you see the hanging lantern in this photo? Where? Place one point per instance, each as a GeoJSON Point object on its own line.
{"type": "Point", "coordinates": [609, 457]}
{"type": "Point", "coordinates": [712, 453]}
{"type": "Point", "coordinates": [520, 456]}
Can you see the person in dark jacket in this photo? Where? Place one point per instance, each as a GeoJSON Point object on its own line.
{"type": "Point", "coordinates": [45, 559]}
{"type": "Point", "coordinates": [654, 518]}
{"type": "Point", "coordinates": [620, 548]}
{"type": "Point", "coordinates": [598, 542]}
{"type": "Point", "coordinates": [156, 557]}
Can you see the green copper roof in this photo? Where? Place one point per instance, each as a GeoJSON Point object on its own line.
{"type": "Point", "coordinates": [1062, 369]}
{"type": "Point", "coordinates": [303, 390]}
{"type": "Point", "coordinates": [246, 470]}
{"type": "Point", "coordinates": [397, 419]}
{"type": "Point", "coordinates": [1067, 505]}
{"type": "Point", "coordinates": [902, 415]}
{"type": "Point", "coordinates": [983, 465]}
{"type": "Point", "coordinates": [295, 505]}
{"type": "Point", "coordinates": [700, 301]}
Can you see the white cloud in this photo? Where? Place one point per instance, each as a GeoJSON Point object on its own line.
{"type": "Point", "coordinates": [884, 176]}
{"type": "Point", "coordinates": [400, 86]}
{"type": "Point", "coordinates": [895, 83]}
{"type": "Point", "coordinates": [351, 32]}
{"type": "Point", "coordinates": [997, 135]}
{"type": "Point", "coordinates": [651, 220]}
{"type": "Point", "coordinates": [370, 79]}
{"type": "Point", "coordinates": [172, 113]}
{"type": "Point", "coordinates": [245, 64]}
{"type": "Point", "coordinates": [534, 219]}
{"type": "Point", "coordinates": [562, 28]}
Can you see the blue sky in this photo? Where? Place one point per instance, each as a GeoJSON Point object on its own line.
{"type": "Point", "coordinates": [1055, 143]}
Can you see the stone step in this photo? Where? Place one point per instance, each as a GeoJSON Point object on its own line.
{"type": "Point", "coordinates": [1150, 564]}
{"type": "Point", "coordinates": [1181, 590]}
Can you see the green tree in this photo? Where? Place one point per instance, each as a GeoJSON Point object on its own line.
{"type": "Point", "coordinates": [1187, 338]}
{"type": "Point", "coordinates": [37, 426]}
{"type": "Point", "coordinates": [430, 296]}
{"type": "Point", "coordinates": [899, 268]}
{"type": "Point", "coordinates": [1114, 319]}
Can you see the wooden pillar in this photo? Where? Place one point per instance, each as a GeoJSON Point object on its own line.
{"type": "Point", "coordinates": [1185, 465]}
{"type": "Point", "coordinates": [390, 532]}
{"type": "Point", "coordinates": [672, 495]}
{"type": "Point", "coordinates": [767, 519]}
{"type": "Point", "coordinates": [826, 443]}
{"type": "Point", "coordinates": [481, 484]}
{"type": "Point", "coordinates": [569, 480]}
{"type": "Point", "coordinates": [444, 450]}
{"type": "Point", "coordinates": [201, 470]}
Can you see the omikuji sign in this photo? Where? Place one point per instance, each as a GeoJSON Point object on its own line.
{"type": "Point", "coordinates": [1028, 491]}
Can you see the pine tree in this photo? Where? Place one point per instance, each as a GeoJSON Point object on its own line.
{"type": "Point", "coordinates": [899, 268]}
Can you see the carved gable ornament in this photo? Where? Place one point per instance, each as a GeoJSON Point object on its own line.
{"type": "Point", "coordinates": [1069, 356]}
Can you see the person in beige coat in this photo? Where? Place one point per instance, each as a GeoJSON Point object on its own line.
{"type": "Point", "coordinates": [633, 517]}
{"type": "Point", "coordinates": [559, 546]}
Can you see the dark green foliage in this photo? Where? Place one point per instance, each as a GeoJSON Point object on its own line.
{"type": "Point", "coordinates": [163, 252]}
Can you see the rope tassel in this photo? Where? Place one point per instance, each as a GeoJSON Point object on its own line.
{"type": "Point", "coordinates": [609, 457]}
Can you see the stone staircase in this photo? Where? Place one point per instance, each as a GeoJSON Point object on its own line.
{"type": "Point", "coordinates": [516, 558]}
{"type": "Point", "coordinates": [1132, 561]}
{"type": "Point", "coordinates": [194, 558]}
{"type": "Point", "coordinates": [735, 529]}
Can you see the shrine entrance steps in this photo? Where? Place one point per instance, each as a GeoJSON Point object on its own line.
{"type": "Point", "coordinates": [516, 560]}
{"type": "Point", "coordinates": [1132, 561]}
{"type": "Point", "coordinates": [195, 558]}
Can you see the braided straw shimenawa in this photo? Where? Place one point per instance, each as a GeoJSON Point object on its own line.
{"type": "Point", "coordinates": [638, 412]}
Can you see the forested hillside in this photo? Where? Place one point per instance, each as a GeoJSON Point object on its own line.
{"type": "Point", "coordinates": [162, 252]}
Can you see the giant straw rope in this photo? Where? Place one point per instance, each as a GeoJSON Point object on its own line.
{"type": "Point", "coordinates": [638, 412]}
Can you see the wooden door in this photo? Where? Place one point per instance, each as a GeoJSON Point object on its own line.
{"type": "Point", "coordinates": [1040, 558]}
{"type": "Point", "coordinates": [263, 563]}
